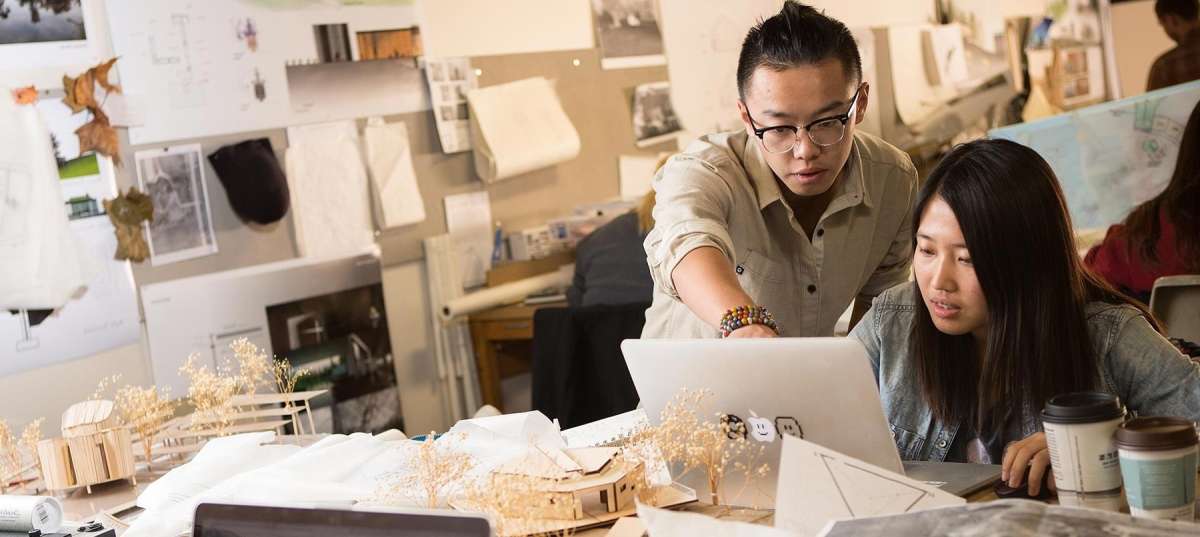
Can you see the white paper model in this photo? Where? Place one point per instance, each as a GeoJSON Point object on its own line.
{"type": "Point", "coordinates": [519, 127]}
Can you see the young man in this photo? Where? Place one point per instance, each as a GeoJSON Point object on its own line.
{"type": "Point", "coordinates": [1180, 19]}
{"type": "Point", "coordinates": [795, 216]}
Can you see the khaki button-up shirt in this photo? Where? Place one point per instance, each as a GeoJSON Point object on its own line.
{"type": "Point", "coordinates": [720, 192]}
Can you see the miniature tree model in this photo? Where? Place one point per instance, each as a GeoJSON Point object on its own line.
{"type": "Point", "coordinates": [30, 436]}
{"type": "Point", "coordinates": [211, 393]}
{"type": "Point", "coordinates": [437, 469]}
{"type": "Point", "coordinates": [686, 441]}
{"type": "Point", "coordinates": [10, 456]}
{"type": "Point", "coordinates": [145, 410]}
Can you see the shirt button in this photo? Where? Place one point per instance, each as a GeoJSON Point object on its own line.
{"type": "Point", "coordinates": [820, 232]}
{"type": "Point", "coordinates": [941, 444]}
{"type": "Point", "coordinates": [812, 288]}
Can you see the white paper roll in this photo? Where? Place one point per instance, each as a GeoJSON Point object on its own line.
{"type": "Point", "coordinates": [508, 293]}
{"type": "Point", "coordinates": [25, 513]}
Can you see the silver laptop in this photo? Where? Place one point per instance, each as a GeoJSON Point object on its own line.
{"type": "Point", "coordinates": [225, 520]}
{"type": "Point", "coordinates": [821, 389]}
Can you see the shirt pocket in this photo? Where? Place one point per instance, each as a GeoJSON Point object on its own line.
{"type": "Point", "coordinates": [758, 268]}
{"type": "Point", "coordinates": [908, 443]}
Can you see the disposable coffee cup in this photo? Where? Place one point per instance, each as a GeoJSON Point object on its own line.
{"type": "Point", "coordinates": [1158, 461]}
{"type": "Point", "coordinates": [1079, 433]}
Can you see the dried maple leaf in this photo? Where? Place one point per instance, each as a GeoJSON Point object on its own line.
{"type": "Point", "coordinates": [70, 100]}
{"type": "Point", "coordinates": [100, 72]}
{"type": "Point", "coordinates": [99, 136]}
{"type": "Point", "coordinates": [26, 95]}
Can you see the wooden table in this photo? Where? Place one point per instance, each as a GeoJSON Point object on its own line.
{"type": "Point", "coordinates": [490, 331]}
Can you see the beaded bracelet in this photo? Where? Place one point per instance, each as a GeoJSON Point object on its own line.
{"type": "Point", "coordinates": [746, 316]}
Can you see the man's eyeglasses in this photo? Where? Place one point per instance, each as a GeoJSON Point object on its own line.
{"type": "Point", "coordinates": [824, 132]}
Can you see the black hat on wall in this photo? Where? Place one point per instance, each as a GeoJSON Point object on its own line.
{"type": "Point", "coordinates": [253, 180]}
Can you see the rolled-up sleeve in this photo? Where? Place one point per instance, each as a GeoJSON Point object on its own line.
{"type": "Point", "coordinates": [894, 267]}
{"type": "Point", "coordinates": [692, 204]}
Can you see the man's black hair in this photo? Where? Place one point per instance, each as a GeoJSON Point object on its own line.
{"type": "Point", "coordinates": [797, 35]}
{"type": "Point", "coordinates": [1187, 10]}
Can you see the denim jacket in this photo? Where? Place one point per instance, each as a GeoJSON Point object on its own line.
{"type": "Point", "coordinates": [1150, 375]}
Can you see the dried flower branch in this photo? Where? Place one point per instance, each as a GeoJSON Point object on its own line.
{"type": "Point", "coordinates": [211, 393]}
{"type": "Point", "coordinates": [437, 468]}
{"type": "Point", "coordinates": [30, 436]}
{"type": "Point", "coordinates": [521, 505]}
{"type": "Point", "coordinates": [689, 443]}
{"type": "Point", "coordinates": [285, 378]}
{"type": "Point", "coordinates": [145, 410]}
{"type": "Point", "coordinates": [10, 456]}
{"type": "Point", "coordinates": [254, 366]}
{"type": "Point", "coordinates": [103, 386]}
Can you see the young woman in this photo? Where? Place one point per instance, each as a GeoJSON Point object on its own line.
{"type": "Point", "coordinates": [1161, 237]}
{"type": "Point", "coordinates": [1002, 316]}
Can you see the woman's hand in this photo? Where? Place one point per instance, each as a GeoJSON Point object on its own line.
{"type": "Point", "coordinates": [1031, 452]}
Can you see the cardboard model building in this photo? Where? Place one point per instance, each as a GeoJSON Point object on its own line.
{"type": "Point", "coordinates": [571, 476]}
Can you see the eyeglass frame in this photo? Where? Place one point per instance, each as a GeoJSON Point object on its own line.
{"type": "Point", "coordinates": [843, 118]}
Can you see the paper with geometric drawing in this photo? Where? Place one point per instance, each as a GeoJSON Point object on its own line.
{"type": "Point", "coordinates": [817, 485]}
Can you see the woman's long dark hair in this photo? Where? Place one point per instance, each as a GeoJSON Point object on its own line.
{"type": "Point", "coordinates": [1014, 219]}
{"type": "Point", "coordinates": [1179, 202]}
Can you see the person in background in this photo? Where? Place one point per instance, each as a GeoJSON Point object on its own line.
{"type": "Point", "coordinates": [1160, 237]}
{"type": "Point", "coordinates": [962, 354]}
{"type": "Point", "coordinates": [776, 228]}
{"type": "Point", "coordinates": [610, 264]}
{"type": "Point", "coordinates": [1180, 19]}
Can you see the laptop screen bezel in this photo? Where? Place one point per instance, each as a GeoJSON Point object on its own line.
{"type": "Point", "coordinates": [342, 522]}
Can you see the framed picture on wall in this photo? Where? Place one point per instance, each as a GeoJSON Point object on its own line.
{"type": "Point", "coordinates": [36, 34]}
{"type": "Point", "coordinates": [182, 228]}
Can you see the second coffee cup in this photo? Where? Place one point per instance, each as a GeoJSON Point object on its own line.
{"type": "Point", "coordinates": [1079, 433]}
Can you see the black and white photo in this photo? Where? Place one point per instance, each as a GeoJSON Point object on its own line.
{"type": "Point", "coordinates": [654, 119]}
{"type": "Point", "coordinates": [627, 32]}
{"type": "Point", "coordinates": [182, 229]}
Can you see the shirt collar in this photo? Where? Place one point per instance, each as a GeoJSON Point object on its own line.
{"type": "Point", "coordinates": [851, 187]}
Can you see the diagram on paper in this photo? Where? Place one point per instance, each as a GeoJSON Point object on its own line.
{"type": "Point", "coordinates": [865, 492]}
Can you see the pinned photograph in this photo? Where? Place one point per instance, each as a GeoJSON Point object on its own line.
{"type": "Point", "coordinates": [341, 338]}
{"type": "Point", "coordinates": [84, 177]}
{"type": "Point", "coordinates": [654, 119]}
{"type": "Point", "coordinates": [182, 228]}
{"type": "Point", "coordinates": [403, 43]}
{"type": "Point", "coordinates": [41, 21]}
{"type": "Point", "coordinates": [628, 33]}
{"type": "Point", "coordinates": [333, 42]}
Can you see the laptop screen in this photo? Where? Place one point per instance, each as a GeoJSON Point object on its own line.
{"type": "Point", "coordinates": [219, 520]}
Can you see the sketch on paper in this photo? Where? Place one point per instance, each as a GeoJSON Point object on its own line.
{"type": "Point", "coordinates": [449, 81]}
{"type": "Point", "coordinates": [182, 227]}
{"type": "Point", "coordinates": [654, 119]}
{"type": "Point", "coordinates": [628, 33]}
{"type": "Point", "coordinates": [41, 21]}
{"type": "Point", "coordinates": [247, 33]}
